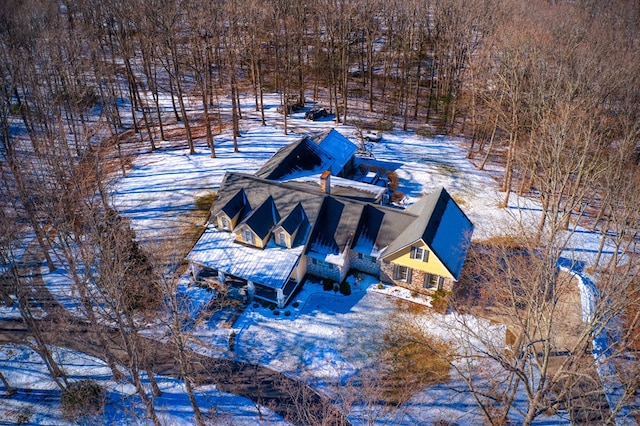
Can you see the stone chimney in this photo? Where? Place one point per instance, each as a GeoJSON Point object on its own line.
{"type": "Point", "coordinates": [325, 182]}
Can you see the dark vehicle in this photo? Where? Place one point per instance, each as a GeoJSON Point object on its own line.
{"type": "Point", "coordinates": [292, 107]}
{"type": "Point", "coordinates": [316, 113]}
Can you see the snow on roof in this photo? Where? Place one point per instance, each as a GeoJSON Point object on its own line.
{"type": "Point", "coordinates": [344, 187]}
{"type": "Point", "coordinates": [339, 147]}
{"type": "Point", "coordinates": [442, 226]}
{"type": "Point", "coordinates": [303, 155]}
{"type": "Point", "coordinates": [452, 237]}
{"type": "Point", "coordinates": [270, 266]}
{"type": "Point", "coordinates": [367, 232]}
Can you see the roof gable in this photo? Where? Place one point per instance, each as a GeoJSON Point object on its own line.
{"type": "Point", "coordinates": [323, 238]}
{"type": "Point", "coordinates": [367, 231]}
{"type": "Point", "coordinates": [338, 147]}
{"type": "Point", "coordinates": [238, 204]}
{"type": "Point", "coordinates": [294, 219]}
{"type": "Point", "coordinates": [450, 235]}
{"type": "Point", "coordinates": [303, 155]}
{"type": "Point", "coordinates": [442, 226]}
{"type": "Point", "coordinates": [262, 219]}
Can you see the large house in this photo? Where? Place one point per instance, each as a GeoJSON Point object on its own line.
{"type": "Point", "coordinates": [266, 235]}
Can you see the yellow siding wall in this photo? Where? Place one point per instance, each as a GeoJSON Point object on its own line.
{"type": "Point", "coordinates": [301, 269]}
{"type": "Point", "coordinates": [219, 217]}
{"type": "Point", "coordinates": [231, 221]}
{"type": "Point", "coordinates": [433, 265]}
{"type": "Point", "coordinates": [261, 243]}
{"type": "Point", "coordinates": [257, 242]}
{"type": "Point", "coordinates": [288, 237]}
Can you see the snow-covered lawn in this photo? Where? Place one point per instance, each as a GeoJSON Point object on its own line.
{"type": "Point", "coordinates": [36, 399]}
{"type": "Point", "coordinates": [325, 338]}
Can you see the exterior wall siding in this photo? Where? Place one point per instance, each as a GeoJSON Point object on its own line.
{"type": "Point", "coordinates": [433, 265]}
{"type": "Point", "coordinates": [257, 242]}
{"type": "Point", "coordinates": [363, 265]}
{"type": "Point", "coordinates": [300, 270]}
{"type": "Point", "coordinates": [288, 238]}
{"type": "Point", "coordinates": [231, 221]}
{"type": "Point", "coordinates": [324, 271]}
{"type": "Point", "coordinates": [219, 222]}
{"type": "Point", "coordinates": [416, 282]}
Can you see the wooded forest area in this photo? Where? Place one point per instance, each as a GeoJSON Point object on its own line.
{"type": "Point", "coordinates": [547, 90]}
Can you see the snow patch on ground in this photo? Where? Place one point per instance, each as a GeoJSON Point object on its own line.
{"type": "Point", "coordinates": [326, 337]}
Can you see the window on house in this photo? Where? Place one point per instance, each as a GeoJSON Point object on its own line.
{"type": "Point", "coordinates": [419, 253]}
{"type": "Point", "coordinates": [322, 263]}
{"type": "Point", "coordinates": [401, 273]}
{"type": "Point", "coordinates": [247, 236]}
{"type": "Point", "coordinates": [366, 257]}
{"type": "Point", "coordinates": [282, 239]}
{"type": "Point", "coordinates": [432, 281]}
{"type": "Point", "coordinates": [224, 222]}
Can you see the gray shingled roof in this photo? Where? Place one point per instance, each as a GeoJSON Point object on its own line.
{"type": "Point", "coordinates": [258, 190]}
{"type": "Point", "coordinates": [262, 219]}
{"type": "Point", "coordinates": [236, 204]}
{"type": "Point", "coordinates": [337, 222]}
{"type": "Point", "coordinates": [303, 155]}
{"type": "Point", "coordinates": [442, 226]}
{"type": "Point", "coordinates": [336, 145]}
{"type": "Point", "coordinates": [327, 150]}
{"type": "Point", "coordinates": [339, 216]}
{"type": "Point", "coordinates": [293, 221]}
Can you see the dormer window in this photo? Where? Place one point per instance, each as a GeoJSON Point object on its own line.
{"type": "Point", "coordinates": [224, 223]}
{"type": "Point", "coordinates": [282, 239]}
{"type": "Point", "coordinates": [247, 236]}
{"type": "Point", "coordinates": [419, 253]}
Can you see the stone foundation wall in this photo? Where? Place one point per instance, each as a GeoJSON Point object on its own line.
{"type": "Point", "coordinates": [416, 283]}
{"type": "Point", "coordinates": [324, 272]}
{"type": "Point", "coordinates": [365, 266]}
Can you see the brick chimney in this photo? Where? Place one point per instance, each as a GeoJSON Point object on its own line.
{"type": "Point", "coordinates": [325, 182]}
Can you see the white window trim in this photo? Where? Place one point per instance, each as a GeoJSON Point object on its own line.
{"type": "Point", "coordinates": [224, 222]}
{"type": "Point", "coordinates": [424, 253]}
{"type": "Point", "coordinates": [248, 232]}
{"type": "Point", "coordinates": [402, 277]}
{"type": "Point", "coordinates": [282, 238]}
{"type": "Point", "coordinates": [428, 281]}
{"type": "Point", "coordinates": [322, 263]}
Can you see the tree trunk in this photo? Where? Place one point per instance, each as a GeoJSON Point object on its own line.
{"type": "Point", "coordinates": [183, 110]}
{"type": "Point", "coordinates": [259, 71]}
{"type": "Point", "coordinates": [508, 173]}
{"type": "Point", "coordinates": [234, 114]}
{"type": "Point", "coordinates": [7, 385]}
